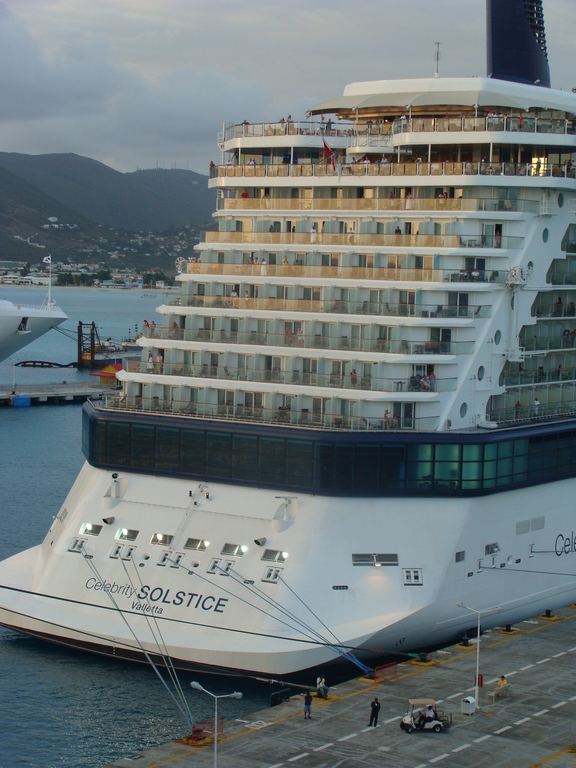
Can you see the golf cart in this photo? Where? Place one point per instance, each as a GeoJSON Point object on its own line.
{"type": "Point", "coordinates": [416, 719]}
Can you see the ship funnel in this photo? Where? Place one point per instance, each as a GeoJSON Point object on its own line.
{"type": "Point", "coordinates": [516, 42]}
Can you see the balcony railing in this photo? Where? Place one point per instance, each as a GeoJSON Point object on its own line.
{"type": "Point", "coordinates": [531, 413]}
{"type": "Point", "coordinates": [438, 205]}
{"type": "Point", "coordinates": [351, 273]}
{"type": "Point", "coordinates": [335, 306]}
{"type": "Point", "coordinates": [296, 378]}
{"type": "Point", "coordinates": [532, 170]}
{"type": "Point", "coordinates": [548, 343]}
{"type": "Point", "coordinates": [491, 123]}
{"type": "Point", "coordinates": [273, 416]}
{"type": "Point", "coordinates": [554, 310]}
{"type": "Point", "coordinates": [316, 341]}
{"type": "Point", "coordinates": [362, 240]}
{"type": "Point", "coordinates": [529, 378]}
{"type": "Point", "coordinates": [342, 128]}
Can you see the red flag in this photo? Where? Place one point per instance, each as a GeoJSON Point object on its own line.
{"type": "Point", "coordinates": [330, 153]}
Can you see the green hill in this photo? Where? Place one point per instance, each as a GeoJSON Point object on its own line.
{"type": "Point", "coordinates": [24, 210]}
{"type": "Point", "coordinates": [156, 199]}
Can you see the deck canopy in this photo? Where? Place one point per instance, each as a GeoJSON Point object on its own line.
{"type": "Point", "coordinates": [435, 94]}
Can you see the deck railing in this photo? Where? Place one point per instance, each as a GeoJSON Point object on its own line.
{"type": "Point", "coordinates": [541, 376]}
{"type": "Point", "coordinates": [437, 205]}
{"type": "Point", "coordinates": [536, 171]}
{"type": "Point", "coordinates": [401, 274]}
{"type": "Point", "coordinates": [280, 416]}
{"type": "Point", "coordinates": [363, 240]}
{"type": "Point", "coordinates": [334, 306]}
{"type": "Point", "coordinates": [316, 341]}
{"type": "Point", "coordinates": [490, 123]}
{"type": "Point", "coordinates": [298, 378]}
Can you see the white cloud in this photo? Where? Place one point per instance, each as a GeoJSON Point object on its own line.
{"type": "Point", "coordinates": [132, 82]}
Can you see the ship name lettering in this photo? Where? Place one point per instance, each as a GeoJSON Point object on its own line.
{"type": "Point", "coordinates": [565, 544]}
{"type": "Point", "coordinates": [189, 599]}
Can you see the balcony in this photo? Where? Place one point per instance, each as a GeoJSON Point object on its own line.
{"type": "Point", "coordinates": [489, 124]}
{"type": "Point", "coordinates": [319, 170]}
{"type": "Point", "coordinates": [428, 205]}
{"type": "Point", "coordinates": [541, 376]}
{"type": "Point", "coordinates": [369, 274]}
{"type": "Point", "coordinates": [361, 240]}
{"type": "Point", "coordinates": [273, 416]}
{"type": "Point", "coordinates": [549, 343]}
{"type": "Point", "coordinates": [316, 341]}
{"type": "Point", "coordinates": [335, 306]}
{"type": "Point", "coordinates": [295, 378]}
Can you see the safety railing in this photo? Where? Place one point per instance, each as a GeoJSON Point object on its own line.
{"type": "Point", "coordinates": [530, 170]}
{"type": "Point", "coordinates": [245, 130]}
{"type": "Point", "coordinates": [533, 411]}
{"type": "Point", "coordinates": [280, 416]}
{"type": "Point", "coordinates": [351, 380]}
{"type": "Point", "coordinates": [549, 343]}
{"type": "Point", "coordinates": [402, 274]}
{"type": "Point", "coordinates": [335, 306]}
{"type": "Point", "coordinates": [437, 205]}
{"type": "Point", "coordinates": [315, 341]}
{"type": "Point", "coordinates": [490, 123]}
{"type": "Point", "coordinates": [541, 376]}
{"type": "Point", "coordinates": [363, 240]}
{"type": "Point", "coordinates": [554, 310]}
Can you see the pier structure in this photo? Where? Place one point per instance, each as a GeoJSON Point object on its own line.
{"type": "Point", "coordinates": [532, 726]}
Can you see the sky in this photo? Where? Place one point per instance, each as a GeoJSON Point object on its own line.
{"type": "Point", "coordinates": [141, 83]}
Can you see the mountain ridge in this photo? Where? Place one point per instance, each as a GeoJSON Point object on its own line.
{"type": "Point", "coordinates": [155, 199]}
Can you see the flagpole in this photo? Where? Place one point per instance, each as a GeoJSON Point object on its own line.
{"type": "Point", "coordinates": [50, 282]}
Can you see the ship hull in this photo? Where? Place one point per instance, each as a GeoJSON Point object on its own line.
{"type": "Point", "coordinates": [320, 608]}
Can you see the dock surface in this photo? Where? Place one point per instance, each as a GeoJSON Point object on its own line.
{"type": "Point", "coordinates": [51, 393]}
{"type": "Point", "coordinates": [534, 726]}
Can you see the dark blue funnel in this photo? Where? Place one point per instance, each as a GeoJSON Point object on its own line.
{"type": "Point", "coordinates": [516, 41]}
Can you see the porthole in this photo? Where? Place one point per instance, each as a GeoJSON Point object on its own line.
{"type": "Point", "coordinates": [497, 337]}
{"type": "Point", "coordinates": [545, 234]}
{"type": "Point", "coordinates": [560, 200]}
{"type": "Point", "coordinates": [481, 373]}
{"type": "Point", "coordinates": [530, 265]}
{"type": "Point", "coordinates": [463, 410]}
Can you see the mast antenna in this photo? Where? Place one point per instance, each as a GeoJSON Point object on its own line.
{"type": "Point", "coordinates": [437, 57]}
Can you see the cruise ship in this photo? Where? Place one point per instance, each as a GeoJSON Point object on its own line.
{"type": "Point", "coordinates": [21, 324]}
{"type": "Point", "coordinates": [358, 415]}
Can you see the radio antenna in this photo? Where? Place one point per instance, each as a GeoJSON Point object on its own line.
{"type": "Point", "coordinates": [437, 57]}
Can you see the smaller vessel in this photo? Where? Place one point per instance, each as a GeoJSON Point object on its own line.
{"type": "Point", "coordinates": [21, 324]}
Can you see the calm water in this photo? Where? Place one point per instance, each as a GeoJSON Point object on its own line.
{"type": "Point", "coordinates": [61, 708]}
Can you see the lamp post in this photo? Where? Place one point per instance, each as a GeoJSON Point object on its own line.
{"type": "Point", "coordinates": [235, 695]}
{"type": "Point", "coordinates": [498, 609]}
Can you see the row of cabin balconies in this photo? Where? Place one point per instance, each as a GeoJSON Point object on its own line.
{"type": "Point", "coordinates": [264, 202]}
{"type": "Point", "coordinates": [352, 267]}
{"type": "Point", "coordinates": [348, 132]}
{"type": "Point", "coordinates": [321, 336]}
{"type": "Point", "coordinates": [275, 409]}
{"type": "Point", "coordinates": [533, 172]}
{"type": "Point", "coordinates": [398, 239]}
{"type": "Point", "coordinates": [296, 372]}
{"type": "Point", "coordinates": [406, 307]}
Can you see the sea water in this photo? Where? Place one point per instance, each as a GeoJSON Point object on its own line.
{"type": "Point", "coordinates": [60, 707]}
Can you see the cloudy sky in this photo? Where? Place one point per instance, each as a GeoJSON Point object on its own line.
{"type": "Point", "coordinates": [135, 83]}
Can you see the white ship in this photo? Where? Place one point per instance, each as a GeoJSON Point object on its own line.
{"type": "Point", "coordinates": [359, 411]}
{"type": "Point", "coordinates": [21, 324]}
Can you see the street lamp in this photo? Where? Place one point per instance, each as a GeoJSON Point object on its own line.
{"type": "Point", "coordinates": [235, 695]}
{"type": "Point", "coordinates": [498, 609]}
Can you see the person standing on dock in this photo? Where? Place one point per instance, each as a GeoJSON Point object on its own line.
{"type": "Point", "coordinates": [308, 705]}
{"type": "Point", "coordinates": [375, 711]}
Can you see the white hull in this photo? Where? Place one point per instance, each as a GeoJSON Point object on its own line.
{"type": "Point", "coordinates": [21, 324]}
{"type": "Point", "coordinates": [216, 620]}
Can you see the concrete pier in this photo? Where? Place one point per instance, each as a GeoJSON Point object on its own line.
{"type": "Point", "coordinates": [42, 394]}
{"type": "Point", "coordinates": [534, 726]}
